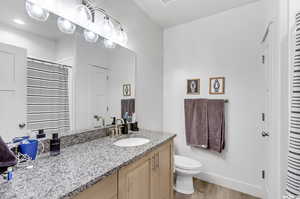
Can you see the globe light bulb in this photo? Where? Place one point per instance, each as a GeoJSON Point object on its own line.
{"type": "Point", "coordinates": [65, 26]}
{"type": "Point", "coordinates": [90, 36]}
{"type": "Point", "coordinates": [109, 44]}
{"type": "Point", "coordinates": [84, 14]}
{"type": "Point", "coordinates": [122, 36]}
{"type": "Point", "coordinates": [36, 12]}
{"type": "Point", "coordinates": [107, 27]}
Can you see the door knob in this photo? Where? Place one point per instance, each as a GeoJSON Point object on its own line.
{"type": "Point", "coordinates": [21, 126]}
{"type": "Point", "coordinates": [265, 134]}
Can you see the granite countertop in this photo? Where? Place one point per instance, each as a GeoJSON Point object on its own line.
{"type": "Point", "coordinates": [76, 168]}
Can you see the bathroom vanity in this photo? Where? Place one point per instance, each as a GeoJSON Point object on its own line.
{"type": "Point", "coordinates": [99, 169]}
{"type": "Point", "coordinates": [148, 177]}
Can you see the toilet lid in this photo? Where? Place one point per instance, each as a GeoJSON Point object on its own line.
{"type": "Point", "coordinates": [186, 163]}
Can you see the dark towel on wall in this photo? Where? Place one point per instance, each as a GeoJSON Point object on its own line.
{"type": "Point", "coordinates": [216, 125]}
{"type": "Point", "coordinates": [196, 127]}
{"type": "Point", "coordinates": [205, 123]}
{"type": "Point", "coordinates": [127, 105]}
{"type": "Point", "coordinates": [7, 158]}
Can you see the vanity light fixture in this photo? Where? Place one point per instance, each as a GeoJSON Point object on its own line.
{"type": "Point", "coordinates": [36, 11]}
{"type": "Point", "coordinates": [90, 36]}
{"type": "Point", "coordinates": [109, 43]}
{"type": "Point", "coordinates": [65, 25]}
{"type": "Point", "coordinates": [86, 15]}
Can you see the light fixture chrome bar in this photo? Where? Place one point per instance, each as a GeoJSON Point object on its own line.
{"type": "Point", "coordinates": [93, 8]}
{"type": "Point", "coordinates": [47, 62]}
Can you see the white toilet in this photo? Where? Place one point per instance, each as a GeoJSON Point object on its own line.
{"type": "Point", "coordinates": [185, 169]}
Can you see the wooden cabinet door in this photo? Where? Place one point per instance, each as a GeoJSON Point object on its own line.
{"type": "Point", "coordinates": [155, 189]}
{"type": "Point", "coordinates": [162, 172]}
{"type": "Point", "coordinates": [134, 180]}
{"type": "Point", "coordinates": [105, 189]}
{"type": "Point", "coordinates": [165, 169]}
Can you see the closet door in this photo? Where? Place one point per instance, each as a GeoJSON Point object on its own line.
{"type": "Point", "coordinates": [12, 91]}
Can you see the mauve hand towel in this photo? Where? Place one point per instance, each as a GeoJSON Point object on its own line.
{"type": "Point", "coordinates": [7, 158]}
{"type": "Point", "coordinates": [196, 128]}
{"type": "Point", "coordinates": [127, 105]}
{"type": "Point", "coordinates": [216, 125]}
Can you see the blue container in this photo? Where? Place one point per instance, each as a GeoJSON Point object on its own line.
{"type": "Point", "coordinates": [30, 148]}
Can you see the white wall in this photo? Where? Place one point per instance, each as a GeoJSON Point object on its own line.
{"type": "Point", "coordinates": [37, 46]}
{"type": "Point", "coordinates": [122, 71]}
{"type": "Point", "coordinates": [226, 44]}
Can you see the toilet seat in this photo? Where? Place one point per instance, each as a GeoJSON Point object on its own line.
{"type": "Point", "coordinates": [185, 163]}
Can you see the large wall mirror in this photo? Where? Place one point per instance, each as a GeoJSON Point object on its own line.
{"type": "Point", "coordinates": [59, 82]}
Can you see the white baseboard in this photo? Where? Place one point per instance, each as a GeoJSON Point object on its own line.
{"type": "Point", "coordinates": [230, 183]}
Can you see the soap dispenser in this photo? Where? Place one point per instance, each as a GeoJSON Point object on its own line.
{"type": "Point", "coordinates": [54, 145]}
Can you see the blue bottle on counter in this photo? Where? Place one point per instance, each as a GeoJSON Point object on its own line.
{"type": "Point", "coordinates": [9, 174]}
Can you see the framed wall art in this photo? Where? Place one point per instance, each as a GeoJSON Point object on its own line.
{"type": "Point", "coordinates": [126, 90]}
{"type": "Point", "coordinates": [193, 86]}
{"type": "Point", "coordinates": [217, 85]}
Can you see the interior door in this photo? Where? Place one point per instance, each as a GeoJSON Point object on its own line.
{"type": "Point", "coordinates": [12, 91]}
{"type": "Point", "coordinates": [266, 117]}
{"type": "Point", "coordinates": [98, 79]}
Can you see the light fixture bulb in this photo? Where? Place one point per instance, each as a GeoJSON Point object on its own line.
{"type": "Point", "coordinates": [107, 27]}
{"type": "Point", "coordinates": [84, 14]}
{"type": "Point", "coordinates": [36, 12]}
{"type": "Point", "coordinates": [122, 36]}
{"type": "Point", "coordinates": [66, 26]}
{"type": "Point", "coordinates": [90, 36]}
{"type": "Point", "coordinates": [109, 43]}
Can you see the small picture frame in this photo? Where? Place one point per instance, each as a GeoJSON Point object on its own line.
{"type": "Point", "coordinates": [193, 86]}
{"type": "Point", "coordinates": [126, 90]}
{"type": "Point", "coordinates": [217, 85]}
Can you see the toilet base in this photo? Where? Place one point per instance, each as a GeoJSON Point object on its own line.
{"type": "Point", "coordinates": [184, 184]}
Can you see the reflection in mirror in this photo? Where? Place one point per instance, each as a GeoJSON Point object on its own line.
{"type": "Point", "coordinates": [59, 82]}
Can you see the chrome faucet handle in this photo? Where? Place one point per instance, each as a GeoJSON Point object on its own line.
{"type": "Point", "coordinates": [120, 119]}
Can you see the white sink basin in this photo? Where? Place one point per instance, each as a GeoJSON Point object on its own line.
{"type": "Point", "coordinates": [130, 142]}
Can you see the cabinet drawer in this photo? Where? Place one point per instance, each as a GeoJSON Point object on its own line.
{"type": "Point", "coordinates": [105, 189]}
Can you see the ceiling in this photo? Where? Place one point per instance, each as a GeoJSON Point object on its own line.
{"type": "Point", "coordinates": [15, 9]}
{"type": "Point", "coordinates": [176, 12]}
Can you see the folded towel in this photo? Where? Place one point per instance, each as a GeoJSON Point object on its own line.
{"type": "Point", "coordinates": [216, 125]}
{"type": "Point", "coordinates": [7, 158]}
{"type": "Point", "coordinates": [196, 121]}
{"type": "Point", "coordinates": [127, 105]}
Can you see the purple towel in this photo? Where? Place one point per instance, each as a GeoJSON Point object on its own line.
{"type": "Point", "coordinates": [7, 158]}
{"type": "Point", "coordinates": [196, 121]}
{"type": "Point", "coordinates": [216, 125]}
{"type": "Point", "coordinates": [205, 123]}
{"type": "Point", "coordinates": [127, 105]}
